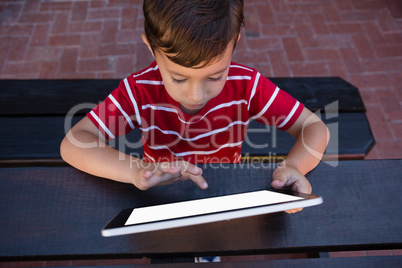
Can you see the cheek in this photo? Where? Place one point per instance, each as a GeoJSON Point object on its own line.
{"type": "Point", "coordinates": [216, 89]}
{"type": "Point", "coordinates": [173, 91]}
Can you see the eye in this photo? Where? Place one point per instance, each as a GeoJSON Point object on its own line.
{"type": "Point", "coordinates": [178, 81]}
{"type": "Point", "coordinates": [215, 79]}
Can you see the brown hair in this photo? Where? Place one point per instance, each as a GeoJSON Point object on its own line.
{"type": "Point", "coordinates": [192, 32]}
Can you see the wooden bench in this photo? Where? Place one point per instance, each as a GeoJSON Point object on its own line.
{"type": "Point", "coordinates": [33, 114]}
{"type": "Point", "coordinates": [355, 262]}
{"type": "Point", "coordinates": [56, 213]}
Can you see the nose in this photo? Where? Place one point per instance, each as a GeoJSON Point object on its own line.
{"type": "Point", "coordinates": [196, 93]}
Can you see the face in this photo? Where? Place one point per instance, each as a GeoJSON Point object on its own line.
{"type": "Point", "coordinates": [193, 88]}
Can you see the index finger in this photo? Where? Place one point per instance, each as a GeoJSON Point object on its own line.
{"type": "Point", "coordinates": [197, 179]}
{"type": "Point", "coordinates": [302, 186]}
{"type": "Point", "coordinates": [188, 168]}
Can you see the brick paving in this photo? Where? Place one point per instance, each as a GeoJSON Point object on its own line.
{"type": "Point", "coordinates": [360, 41]}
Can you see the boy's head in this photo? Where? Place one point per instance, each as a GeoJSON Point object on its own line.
{"type": "Point", "coordinates": [192, 33]}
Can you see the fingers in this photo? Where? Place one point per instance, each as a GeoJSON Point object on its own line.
{"type": "Point", "coordinates": [291, 211]}
{"type": "Point", "coordinates": [194, 173]}
{"type": "Point", "coordinates": [199, 180]}
{"type": "Point", "coordinates": [158, 174]}
{"type": "Point", "coordinates": [187, 168]}
{"type": "Point", "coordinates": [159, 169]}
{"type": "Point", "coordinates": [287, 176]}
{"type": "Point", "coordinates": [280, 179]}
{"type": "Point", "coordinates": [302, 186]}
{"type": "Point", "coordinates": [146, 174]}
{"type": "Point", "coordinates": [167, 173]}
{"type": "Point", "coordinates": [144, 183]}
{"type": "Point", "coordinates": [170, 169]}
{"type": "Point", "coordinates": [277, 183]}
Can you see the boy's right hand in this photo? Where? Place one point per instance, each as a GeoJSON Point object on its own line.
{"type": "Point", "coordinates": [163, 173]}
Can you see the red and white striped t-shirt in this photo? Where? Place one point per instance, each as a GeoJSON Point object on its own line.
{"type": "Point", "coordinates": [215, 134]}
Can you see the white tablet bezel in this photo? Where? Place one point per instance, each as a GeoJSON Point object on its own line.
{"type": "Point", "coordinates": [117, 226]}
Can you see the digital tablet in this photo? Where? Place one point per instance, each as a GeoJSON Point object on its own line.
{"type": "Point", "coordinates": [166, 216]}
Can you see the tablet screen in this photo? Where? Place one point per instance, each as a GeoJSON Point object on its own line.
{"type": "Point", "coordinates": [207, 206]}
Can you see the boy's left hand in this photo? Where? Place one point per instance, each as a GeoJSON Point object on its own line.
{"type": "Point", "coordinates": [288, 176]}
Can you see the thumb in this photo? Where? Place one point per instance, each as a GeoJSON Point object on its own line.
{"type": "Point", "coordinates": [278, 182]}
{"type": "Point", "coordinates": [146, 174]}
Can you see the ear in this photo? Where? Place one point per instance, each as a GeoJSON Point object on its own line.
{"type": "Point", "coordinates": [238, 38]}
{"type": "Point", "coordinates": [145, 40]}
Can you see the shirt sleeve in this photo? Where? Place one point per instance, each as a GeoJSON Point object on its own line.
{"type": "Point", "coordinates": [118, 114]}
{"type": "Point", "coordinates": [272, 106]}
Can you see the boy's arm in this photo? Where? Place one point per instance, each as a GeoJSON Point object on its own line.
{"type": "Point", "coordinates": [312, 137]}
{"type": "Point", "coordinates": [86, 149]}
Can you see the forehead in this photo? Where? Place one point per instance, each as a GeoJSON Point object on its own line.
{"type": "Point", "coordinates": [216, 66]}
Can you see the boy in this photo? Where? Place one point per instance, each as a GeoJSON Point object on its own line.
{"type": "Point", "coordinates": [192, 105]}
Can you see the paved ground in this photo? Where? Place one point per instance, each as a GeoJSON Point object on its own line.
{"type": "Point", "coordinates": [358, 40]}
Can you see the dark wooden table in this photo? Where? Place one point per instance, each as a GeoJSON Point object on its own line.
{"type": "Point", "coordinates": [58, 213]}
{"type": "Point", "coordinates": [355, 262]}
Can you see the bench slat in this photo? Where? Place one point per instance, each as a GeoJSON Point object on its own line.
{"type": "Point", "coordinates": [355, 262]}
{"type": "Point", "coordinates": [40, 138]}
{"type": "Point", "coordinates": [57, 97]}
{"type": "Point", "coordinates": [51, 97]}
{"type": "Point", "coordinates": [318, 92]}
